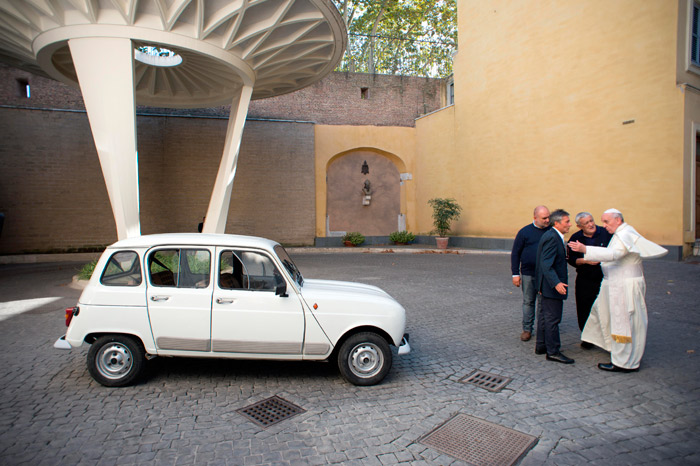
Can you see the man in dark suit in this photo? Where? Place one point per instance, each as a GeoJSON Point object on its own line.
{"type": "Point", "coordinates": [552, 282]}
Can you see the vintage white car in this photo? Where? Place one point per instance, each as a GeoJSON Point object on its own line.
{"type": "Point", "coordinates": [226, 296]}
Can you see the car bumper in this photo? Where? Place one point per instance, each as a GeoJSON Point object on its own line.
{"type": "Point", "coordinates": [61, 343]}
{"type": "Point", "coordinates": [404, 347]}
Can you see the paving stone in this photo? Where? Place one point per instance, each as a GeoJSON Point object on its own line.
{"type": "Point", "coordinates": [462, 313]}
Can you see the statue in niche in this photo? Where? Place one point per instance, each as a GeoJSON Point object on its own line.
{"type": "Point", "coordinates": [366, 193]}
{"type": "Point", "coordinates": [367, 188]}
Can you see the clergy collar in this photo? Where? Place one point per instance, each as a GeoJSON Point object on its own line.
{"type": "Point", "coordinates": [622, 226]}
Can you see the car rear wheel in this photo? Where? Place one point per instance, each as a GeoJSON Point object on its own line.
{"type": "Point", "coordinates": [364, 359]}
{"type": "Point", "coordinates": [115, 360]}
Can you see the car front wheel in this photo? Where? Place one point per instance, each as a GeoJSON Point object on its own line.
{"type": "Point", "coordinates": [115, 360]}
{"type": "Point", "coordinates": [364, 359]}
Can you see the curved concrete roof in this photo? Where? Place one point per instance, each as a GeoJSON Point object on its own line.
{"type": "Point", "coordinates": [277, 46]}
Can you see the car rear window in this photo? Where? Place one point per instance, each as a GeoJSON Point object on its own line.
{"type": "Point", "coordinates": [122, 269]}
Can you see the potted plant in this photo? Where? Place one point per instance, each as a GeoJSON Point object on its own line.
{"type": "Point", "coordinates": [444, 212]}
{"type": "Point", "coordinates": [402, 237]}
{"type": "Point", "coordinates": [353, 238]}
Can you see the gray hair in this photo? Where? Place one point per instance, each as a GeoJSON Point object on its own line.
{"type": "Point", "coordinates": [557, 216]}
{"type": "Point", "coordinates": [581, 215]}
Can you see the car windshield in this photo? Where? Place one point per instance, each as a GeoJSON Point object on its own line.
{"type": "Point", "coordinates": [289, 265]}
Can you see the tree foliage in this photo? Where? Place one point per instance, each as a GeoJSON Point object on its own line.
{"type": "Point", "coordinates": [408, 37]}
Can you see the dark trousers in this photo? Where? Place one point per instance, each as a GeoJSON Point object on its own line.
{"type": "Point", "coordinates": [548, 320]}
{"type": "Point", "coordinates": [586, 293]}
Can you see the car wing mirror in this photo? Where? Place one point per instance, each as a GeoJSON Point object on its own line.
{"type": "Point", "coordinates": [281, 289]}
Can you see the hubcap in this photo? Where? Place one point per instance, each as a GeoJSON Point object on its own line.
{"type": "Point", "coordinates": [114, 360]}
{"type": "Point", "coordinates": [365, 360]}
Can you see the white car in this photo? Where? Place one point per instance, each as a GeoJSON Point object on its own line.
{"type": "Point", "coordinates": [226, 296]}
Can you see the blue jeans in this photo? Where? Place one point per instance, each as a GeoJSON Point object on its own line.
{"type": "Point", "coordinates": [529, 301]}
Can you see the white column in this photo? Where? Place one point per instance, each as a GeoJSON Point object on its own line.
{"type": "Point", "coordinates": [217, 213]}
{"type": "Point", "coordinates": [105, 72]}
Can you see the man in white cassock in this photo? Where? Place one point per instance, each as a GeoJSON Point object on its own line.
{"type": "Point", "coordinates": [618, 320]}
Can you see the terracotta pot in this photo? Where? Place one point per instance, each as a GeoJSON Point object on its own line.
{"type": "Point", "coordinates": [348, 244]}
{"type": "Point", "coordinates": [442, 241]}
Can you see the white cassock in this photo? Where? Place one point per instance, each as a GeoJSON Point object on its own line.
{"type": "Point", "coordinates": [618, 320]}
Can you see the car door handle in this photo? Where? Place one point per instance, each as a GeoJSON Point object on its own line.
{"type": "Point", "coordinates": [224, 300]}
{"type": "Point", "coordinates": [160, 298]}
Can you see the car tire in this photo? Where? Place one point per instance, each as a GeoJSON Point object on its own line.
{"type": "Point", "coordinates": [364, 359]}
{"type": "Point", "coordinates": [115, 360]}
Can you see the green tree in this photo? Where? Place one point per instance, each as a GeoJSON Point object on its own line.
{"type": "Point", "coordinates": [408, 37]}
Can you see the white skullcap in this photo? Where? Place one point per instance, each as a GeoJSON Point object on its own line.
{"type": "Point", "coordinates": [612, 211]}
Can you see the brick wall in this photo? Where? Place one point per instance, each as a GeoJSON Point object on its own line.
{"type": "Point", "coordinates": [54, 198]}
{"type": "Point", "coordinates": [335, 100]}
{"type": "Point", "coordinates": [52, 190]}
{"type": "Point", "coordinates": [338, 100]}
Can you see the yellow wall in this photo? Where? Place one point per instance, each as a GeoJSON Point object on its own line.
{"type": "Point", "coordinates": [541, 93]}
{"type": "Point", "coordinates": [435, 176]}
{"type": "Point", "coordinates": [396, 143]}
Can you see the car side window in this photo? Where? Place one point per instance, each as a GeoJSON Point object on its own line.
{"type": "Point", "coordinates": [122, 269]}
{"type": "Point", "coordinates": [246, 270]}
{"type": "Point", "coordinates": [231, 272]}
{"type": "Point", "coordinates": [180, 268]}
{"type": "Point", "coordinates": [259, 271]}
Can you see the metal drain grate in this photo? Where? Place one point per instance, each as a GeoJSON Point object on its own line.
{"type": "Point", "coordinates": [487, 381]}
{"type": "Point", "coordinates": [479, 442]}
{"type": "Point", "coordinates": [270, 411]}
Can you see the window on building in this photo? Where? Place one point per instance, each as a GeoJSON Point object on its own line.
{"type": "Point", "coordinates": [364, 93]}
{"type": "Point", "coordinates": [23, 88]}
{"type": "Point", "coordinates": [695, 35]}
{"type": "Point", "coordinates": [450, 91]}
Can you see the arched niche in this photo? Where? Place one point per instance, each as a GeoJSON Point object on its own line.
{"type": "Point", "coordinates": [348, 208]}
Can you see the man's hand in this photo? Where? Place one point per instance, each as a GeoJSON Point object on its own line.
{"type": "Point", "coordinates": [561, 288]}
{"type": "Point", "coordinates": [516, 281]}
{"type": "Point", "coordinates": [577, 246]}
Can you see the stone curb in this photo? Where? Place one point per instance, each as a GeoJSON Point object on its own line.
{"type": "Point", "coordinates": [88, 256]}
{"type": "Point", "coordinates": [43, 258]}
{"type": "Point", "coordinates": [391, 250]}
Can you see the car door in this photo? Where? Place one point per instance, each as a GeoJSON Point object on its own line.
{"type": "Point", "coordinates": [179, 297]}
{"type": "Point", "coordinates": [248, 316]}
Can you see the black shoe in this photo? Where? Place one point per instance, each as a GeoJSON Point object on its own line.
{"type": "Point", "coordinates": [610, 367]}
{"type": "Point", "coordinates": [540, 351]}
{"type": "Point", "coordinates": [586, 345]}
{"type": "Point", "coordinates": [559, 357]}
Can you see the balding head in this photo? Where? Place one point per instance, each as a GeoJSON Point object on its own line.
{"type": "Point", "coordinates": [541, 216]}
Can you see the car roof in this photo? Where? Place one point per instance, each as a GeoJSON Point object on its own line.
{"type": "Point", "coordinates": [194, 239]}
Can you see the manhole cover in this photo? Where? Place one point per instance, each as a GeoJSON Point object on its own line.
{"type": "Point", "coordinates": [479, 442]}
{"type": "Point", "coordinates": [270, 411]}
{"type": "Point", "coordinates": [490, 382]}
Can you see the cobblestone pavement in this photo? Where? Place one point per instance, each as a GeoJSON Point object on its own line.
{"type": "Point", "coordinates": [463, 314]}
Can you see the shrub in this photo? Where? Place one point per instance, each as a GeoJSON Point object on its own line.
{"type": "Point", "coordinates": [402, 236]}
{"type": "Point", "coordinates": [86, 270]}
{"type": "Point", "coordinates": [444, 212]}
{"type": "Point", "coordinates": [354, 237]}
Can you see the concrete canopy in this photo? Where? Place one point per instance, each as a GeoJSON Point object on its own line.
{"type": "Point", "coordinates": [170, 53]}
